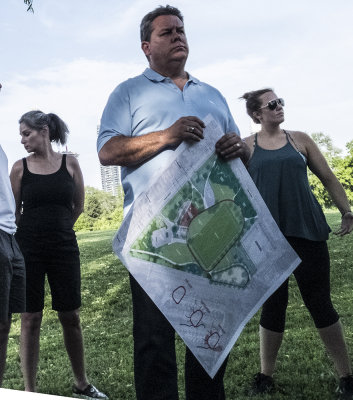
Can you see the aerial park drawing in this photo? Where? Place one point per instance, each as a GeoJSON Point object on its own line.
{"type": "Point", "coordinates": [199, 229]}
{"type": "Point", "coordinates": [203, 245]}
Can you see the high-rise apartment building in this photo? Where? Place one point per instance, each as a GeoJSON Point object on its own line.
{"type": "Point", "coordinates": [111, 178]}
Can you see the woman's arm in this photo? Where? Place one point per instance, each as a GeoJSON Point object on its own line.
{"type": "Point", "coordinates": [16, 181]}
{"type": "Point", "coordinates": [79, 193]}
{"type": "Point", "coordinates": [318, 165]}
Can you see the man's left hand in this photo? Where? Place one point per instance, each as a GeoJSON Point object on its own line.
{"type": "Point", "coordinates": [231, 146]}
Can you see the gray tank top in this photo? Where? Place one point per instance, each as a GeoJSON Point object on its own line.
{"type": "Point", "coordinates": [281, 178]}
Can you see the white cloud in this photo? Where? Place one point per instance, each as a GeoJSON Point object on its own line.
{"type": "Point", "coordinates": [299, 48]}
{"type": "Point", "coordinates": [77, 92]}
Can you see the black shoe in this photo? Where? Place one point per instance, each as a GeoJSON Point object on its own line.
{"type": "Point", "coordinates": [345, 388]}
{"type": "Point", "coordinates": [262, 384]}
{"type": "Point", "coordinates": [89, 393]}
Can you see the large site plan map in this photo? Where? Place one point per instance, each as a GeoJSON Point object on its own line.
{"type": "Point", "coordinates": [203, 245]}
{"type": "Point", "coordinates": [199, 230]}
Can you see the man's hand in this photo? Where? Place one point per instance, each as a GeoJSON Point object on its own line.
{"type": "Point", "coordinates": [128, 151]}
{"type": "Point", "coordinates": [186, 128]}
{"type": "Point", "coordinates": [231, 146]}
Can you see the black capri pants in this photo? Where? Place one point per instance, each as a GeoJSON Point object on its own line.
{"type": "Point", "coordinates": [313, 279]}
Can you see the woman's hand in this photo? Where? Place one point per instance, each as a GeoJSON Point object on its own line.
{"type": "Point", "coordinates": [346, 224]}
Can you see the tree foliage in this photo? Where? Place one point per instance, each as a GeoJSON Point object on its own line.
{"type": "Point", "coordinates": [342, 167]}
{"type": "Point", "coordinates": [344, 171]}
{"type": "Point", "coordinates": [29, 4]}
{"type": "Point", "coordinates": [102, 211]}
{"type": "Point", "coordinates": [326, 146]}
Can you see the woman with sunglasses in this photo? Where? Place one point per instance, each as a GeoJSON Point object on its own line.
{"type": "Point", "coordinates": [278, 165]}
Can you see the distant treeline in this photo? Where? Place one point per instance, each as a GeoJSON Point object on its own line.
{"type": "Point", "coordinates": [105, 211]}
{"type": "Point", "coordinates": [342, 166]}
{"type": "Point", "coordinates": [102, 211]}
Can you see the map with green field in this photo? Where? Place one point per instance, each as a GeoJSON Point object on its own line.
{"type": "Point", "coordinates": [203, 245]}
{"type": "Point", "coordinates": [199, 230]}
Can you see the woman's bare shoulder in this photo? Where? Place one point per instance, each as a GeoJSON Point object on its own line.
{"type": "Point", "coordinates": [18, 166]}
{"type": "Point", "coordinates": [249, 140]}
{"type": "Point", "coordinates": [299, 135]}
{"type": "Point", "coordinates": [72, 161]}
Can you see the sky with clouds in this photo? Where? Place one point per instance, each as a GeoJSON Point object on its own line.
{"type": "Point", "coordinates": [68, 56]}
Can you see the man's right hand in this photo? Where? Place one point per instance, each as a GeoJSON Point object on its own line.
{"type": "Point", "coordinates": [129, 151]}
{"type": "Point", "coordinates": [185, 128]}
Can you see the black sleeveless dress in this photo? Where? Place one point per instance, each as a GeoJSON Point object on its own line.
{"type": "Point", "coordinates": [45, 233]}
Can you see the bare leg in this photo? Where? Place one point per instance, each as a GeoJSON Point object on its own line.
{"type": "Point", "coordinates": [333, 339]}
{"type": "Point", "coordinates": [4, 337]}
{"type": "Point", "coordinates": [30, 332]}
{"type": "Point", "coordinates": [70, 322]}
{"type": "Point", "coordinates": [270, 342]}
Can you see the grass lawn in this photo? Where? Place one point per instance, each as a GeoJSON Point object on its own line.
{"type": "Point", "coordinates": [304, 370]}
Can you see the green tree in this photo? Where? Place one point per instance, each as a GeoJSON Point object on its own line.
{"type": "Point", "coordinates": [102, 211]}
{"type": "Point", "coordinates": [84, 223]}
{"type": "Point", "coordinates": [93, 207]}
{"type": "Point", "coordinates": [98, 202]}
{"type": "Point", "coordinates": [349, 147]}
{"type": "Point", "coordinates": [344, 171]}
{"type": "Point", "coordinates": [113, 219]}
{"type": "Point", "coordinates": [326, 146]}
{"type": "Point", "coordinates": [341, 166]}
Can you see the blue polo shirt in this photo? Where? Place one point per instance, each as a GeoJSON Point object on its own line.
{"type": "Point", "coordinates": [151, 102]}
{"type": "Point", "coordinates": [7, 201]}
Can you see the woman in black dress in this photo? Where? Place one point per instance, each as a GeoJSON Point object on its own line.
{"type": "Point", "coordinates": [49, 194]}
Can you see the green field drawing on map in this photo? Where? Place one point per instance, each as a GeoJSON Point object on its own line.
{"type": "Point", "coordinates": [219, 226]}
{"type": "Point", "coordinates": [199, 230]}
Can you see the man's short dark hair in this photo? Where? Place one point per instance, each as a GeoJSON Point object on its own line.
{"type": "Point", "coordinates": [146, 23]}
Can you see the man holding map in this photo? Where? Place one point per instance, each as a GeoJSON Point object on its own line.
{"type": "Point", "coordinates": [145, 120]}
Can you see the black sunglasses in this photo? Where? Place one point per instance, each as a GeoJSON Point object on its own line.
{"type": "Point", "coordinates": [272, 105]}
